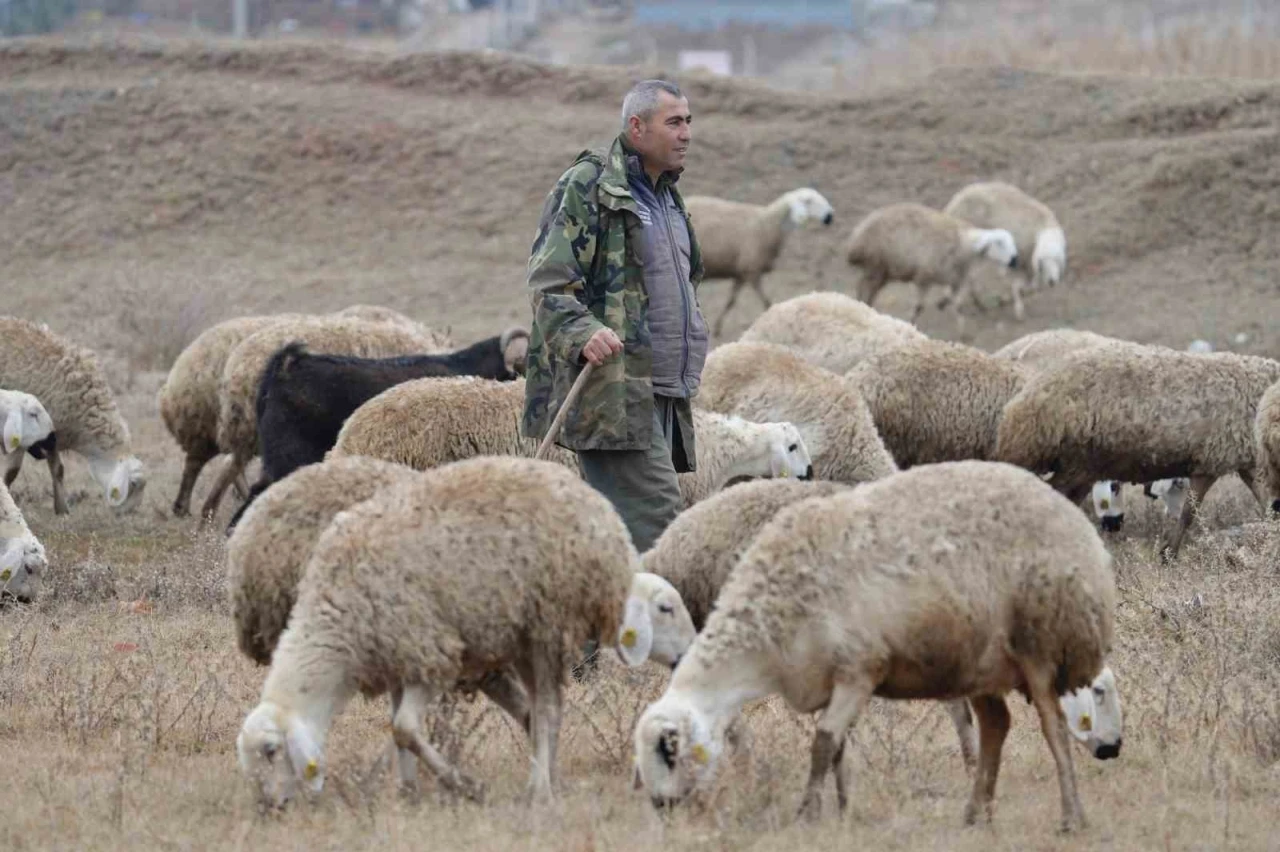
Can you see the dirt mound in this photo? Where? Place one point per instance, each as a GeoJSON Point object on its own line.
{"type": "Point", "coordinates": [306, 177]}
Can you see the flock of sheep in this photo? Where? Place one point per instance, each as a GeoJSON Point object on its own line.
{"type": "Point", "coordinates": [913, 527]}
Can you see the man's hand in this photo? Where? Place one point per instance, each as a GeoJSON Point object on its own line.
{"type": "Point", "coordinates": [602, 345]}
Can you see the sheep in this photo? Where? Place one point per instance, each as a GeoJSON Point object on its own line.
{"type": "Point", "coordinates": [69, 381]}
{"type": "Point", "coordinates": [1139, 416]}
{"type": "Point", "coordinates": [238, 385]}
{"type": "Point", "coordinates": [24, 423]}
{"type": "Point", "coordinates": [911, 242]}
{"type": "Point", "coordinates": [188, 400]}
{"type": "Point", "coordinates": [303, 398]}
{"type": "Point", "coordinates": [923, 585]}
{"type": "Point", "coordinates": [1045, 350]}
{"type": "Point", "coordinates": [764, 381]}
{"type": "Point", "coordinates": [741, 241]}
{"type": "Point", "coordinates": [22, 557]}
{"type": "Point", "coordinates": [1266, 432]}
{"type": "Point", "coordinates": [1036, 231]}
{"type": "Point", "coordinates": [424, 423]}
{"type": "Point", "coordinates": [935, 401]}
{"type": "Point", "coordinates": [450, 577]}
{"type": "Point", "coordinates": [829, 329]}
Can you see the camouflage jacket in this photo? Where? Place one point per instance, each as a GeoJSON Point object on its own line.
{"type": "Point", "coordinates": [585, 273]}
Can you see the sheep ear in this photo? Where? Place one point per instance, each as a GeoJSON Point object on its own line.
{"type": "Point", "coordinates": [1078, 708]}
{"type": "Point", "coordinates": [118, 487]}
{"type": "Point", "coordinates": [779, 464]}
{"type": "Point", "coordinates": [13, 430]}
{"type": "Point", "coordinates": [635, 637]}
{"type": "Point", "coordinates": [305, 755]}
{"type": "Point", "coordinates": [515, 353]}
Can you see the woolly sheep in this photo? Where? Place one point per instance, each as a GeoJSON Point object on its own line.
{"type": "Point", "coordinates": [900, 590]}
{"type": "Point", "coordinates": [69, 381]}
{"type": "Point", "coordinates": [24, 422]}
{"type": "Point", "coordinates": [935, 401]}
{"type": "Point", "coordinates": [1139, 416]}
{"type": "Point", "coordinates": [911, 242]}
{"type": "Point", "coordinates": [1035, 230]}
{"type": "Point", "coordinates": [1266, 433]}
{"type": "Point", "coordinates": [188, 400]}
{"type": "Point", "coordinates": [472, 567]}
{"type": "Point", "coordinates": [829, 329]}
{"type": "Point", "coordinates": [742, 241]}
{"type": "Point", "coordinates": [238, 385]}
{"type": "Point", "coordinates": [22, 558]}
{"type": "Point", "coordinates": [1045, 350]}
{"type": "Point", "coordinates": [424, 423]}
{"type": "Point", "coordinates": [764, 381]}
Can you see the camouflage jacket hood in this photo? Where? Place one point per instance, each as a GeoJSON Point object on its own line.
{"type": "Point", "coordinates": [585, 274]}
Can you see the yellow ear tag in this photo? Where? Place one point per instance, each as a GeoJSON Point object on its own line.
{"type": "Point", "coordinates": [115, 493]}
{"type": "Point", "coordinates": [5, 574]}
{"type": "Point", "coordinates": [1086, 724]}
{"type": "Point", "coordinates": [1104, 503]}
{"type": "Point", "coordinates": [629, 637]}
{"type": "Point", "coordinates": [14, 441]}
{"type": "Point", "coordinates": [786, 471]}
{"type": "Point", "coordinates": [311, 771]}
{"type": "Point", "coordinates": [699, 753]}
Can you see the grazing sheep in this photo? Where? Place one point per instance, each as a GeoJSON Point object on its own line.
{"type": "Point", "coordinates": [425, 423]}
{"type": "Point", "coordinates": [438, 340]}
{"type": "Point", "coordinates": [1266, 431]}
{"type": "Point", "coordinates": [935, 401]}
{"type": "Point", "coordinates": [742, 241]}
{"type": "Point", "coordinates": [303, 398]}
{"type": "Point", "coordinates": [22, 559]}
{"type": "Point", "coordinates": [1035, 230]}
{"type": "Point", "coordinates": [911, 242]}
{"type": "Point", "coordinates": [1139, 416]}
{"type": "Point", "coordinates": [764, 381]}
{"type": "Point", "coordinates": [188, 400]}
{"type": "Point", "coordinates": [829, 329]}
{"type": "Point", "coordinates": [24, 423]}
{"type": "Point", "coordinates": [70, 383]}
{"type": "Point", "coordinates": [238, 386]}
{"type": "Point", "coordinates": [924, 585]}
{"type": "Point", "coordinates": [466, 570]}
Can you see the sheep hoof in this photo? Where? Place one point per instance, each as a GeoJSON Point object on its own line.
{"type": "Point", "coordinates": [811, 807]}
{"type": "Point", "coordinates": [467, 787]}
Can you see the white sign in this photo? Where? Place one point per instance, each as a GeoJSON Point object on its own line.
{"type": "Point", "coordinates": [715, 61]}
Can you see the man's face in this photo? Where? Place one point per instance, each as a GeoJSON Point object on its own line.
{"type": "Point", "coordinates": [664, 139]}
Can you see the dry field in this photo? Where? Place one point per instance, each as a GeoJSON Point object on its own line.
{"type": "Point", "coordinates": [151, 189]}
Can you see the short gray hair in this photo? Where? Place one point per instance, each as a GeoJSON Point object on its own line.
{"type": "Point", "coordinates": [642, 99]}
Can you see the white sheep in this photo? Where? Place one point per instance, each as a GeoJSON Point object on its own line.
{"type": "Point", "coordinates": [424, 423]}
{"type": "Point", "coordinates": [913, 243]}
{"type": "Point", "coordinates": [764, 381]}
{"type": "Point", "coordinates": [1035, 230]}
{"type": "Point", "coordinates": [923, 585]}
{"type": "Point", "coordinates": [188, 399]}
{"type": "Point", "coordinates": [1139, 416]}
{"type": "Point", "coordinates": [935, 401]}
{"type": "Point", "coordinates": [829, 329]}
{"type": "Point", "coordinates": [1266, 433]}
{"type": "Point", "coordinates": [24, 422]}
{"type": "Point", "coordinates": [464, 571]}
{"type": "Point", "coordinates": [22, 557]}
{"type": "Point", "coordinates": [238, 386]}
{"type": "Point", "coordinates": [742, 241]}
{"type": "Point", "coordinates": [69, 381]}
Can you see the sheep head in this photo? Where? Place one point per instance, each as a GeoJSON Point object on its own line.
{"type": "Point", "coordinates": [675, 751]}
{"type": "Point", "coordinates": [788, 454]}
{"type": "Point", "coordinates": [22, 565]}
{"type": "Point", "coordinates": [994, 244]}
{"type": "Point", "coordinates": [657, 625]}
{"type": "Point", "coordinates": [279, 753]}
{"type": "Point", "coordinates": [1094, 716]}
{"type": "Point", "coordinates": [807, 204]}
{"type": "Point", "coordinates": [26, 422]}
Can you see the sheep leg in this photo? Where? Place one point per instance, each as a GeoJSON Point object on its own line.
{"type": "Point", "coordinates": [963, 720]}
{"type": "Point", "coordinates": [728, 306]}
{"type": "Point", "coordinates": [755, 285]}
{"type": "Point", "coordinates": [542, 680]}
{"type": "Point", "coordinates": [241, 486]}
{"type": "Point", "coordinates": [993, 723]}
{"type": "Point", "coordinates": [846, 704]}
{"type": "Point", "coordinates": [1199, 487]}
{"type": "Point", "coordinates": [1015, 286]}
{"type": "Point", "coordinates": [234, 467]}
{"type": "Point", "coordinates": [842, 763]}
{"type": "Point", "coordinates": [191, 468]}
{"type": "Point", "coordinates": [509, 694]}
{"type": "Point", "coordinates": [13, 464]}
{"type": "Point", "coordinates": [870, 284]}
{"type": "Point", "coordinates": [406, 728]}
{"type": "Point", "coordinates": [406, 763]}
{"type": "Point", "coordinates": [57, 474]}
{"type": "Point", "coordinates": [1054, 728]}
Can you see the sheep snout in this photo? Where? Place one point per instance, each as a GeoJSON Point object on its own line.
{"type": "Point", "coordinates": [1109, 750]}
{"type": "Point", "coordinates": [1112, 523]}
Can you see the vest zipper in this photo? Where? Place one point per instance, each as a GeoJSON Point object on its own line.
{"type": "Point", "coordinates": [684, 296]}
